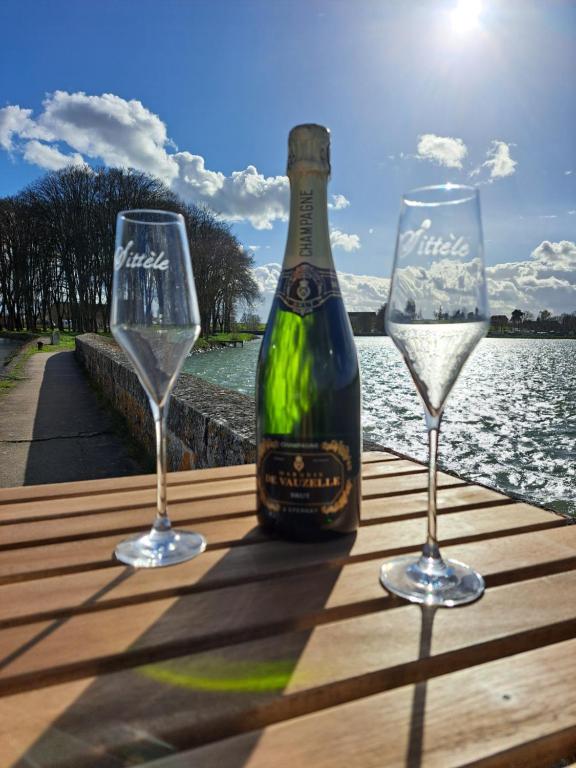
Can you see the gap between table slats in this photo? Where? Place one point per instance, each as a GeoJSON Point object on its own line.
{"type": "Point", "coordinates": [16, 535]}
{"type": "Point", "coordinates": [231, 488]}
{"type": "Point", "coordinates": [139, 482]}
{"type": "Point", "coordinates": [145, 615]}
{"type": "Point", "coordinates": [489, 634]}
{"type": "Point", "coordinates": [458, 720]}
{"type": "Point", "coordinates": [68, 554]}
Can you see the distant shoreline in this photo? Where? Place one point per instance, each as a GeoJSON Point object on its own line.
{"type": "Point", "coordinates": [490, 335]}
{"type": "Point", "coordinates": [493, 335]}
{"type": "Point", "coordinates": [535, 336]}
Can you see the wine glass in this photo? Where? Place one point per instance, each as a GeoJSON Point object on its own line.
{"type": "Point", "coordinates": [155, 320]}
{"type": "Point", "coordinates": [437, 312]}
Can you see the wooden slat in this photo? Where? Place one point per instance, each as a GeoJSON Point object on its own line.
{"type": "Point", "coordinates": [53, 596]}
{"type": "Point", "coordinates": [86, 554]}
{"type": "Point", "coordinates": [66, 645]}
{"type": "Point", "coordinates": [511, 713]}
{"type": "Point", "coordinates": [231, 487]}
{"type": "Point", "coordinates": [115, 484]}
{"type": "Point", "coordinates": [415, 504]}
{"type": "Point", "coordinates": [129, 500]}
{"type": "Point", "coordinates": [380, 455]}
{"type": "Point", "coordinates": [346, 661]}
{"type": "Point", "coordinates": [139, 482]}
{"type": "Point", "coordinates": [69, 556]}
{"type": "Point", "coordinates": [115, 517]}
{"type": "Point", "coordinates": [256, 632]}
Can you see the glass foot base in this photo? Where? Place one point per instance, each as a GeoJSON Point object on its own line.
{"type": "Point", "coordinates": [160, 548]}
{"type": "Point", "coordinates": [432, 582]}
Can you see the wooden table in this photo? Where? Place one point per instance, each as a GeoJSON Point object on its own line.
{"type": "Point", "coordinates": [270, 654]}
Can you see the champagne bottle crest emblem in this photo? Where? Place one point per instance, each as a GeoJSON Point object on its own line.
{"type": "Point", "coordinates": [303, 290]}
{"type": "Point", "coordinates": [298, 463]}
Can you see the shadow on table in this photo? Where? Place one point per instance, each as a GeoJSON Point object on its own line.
{"type": "Point", "coordinates": [417, 717]}
{"type": "Point", "coordinates": [73, 436]}
{"type": "Point", "coordinates": [229, 676]}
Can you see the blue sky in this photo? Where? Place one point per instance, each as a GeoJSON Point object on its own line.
{"type": "Point", "coordinates": [204, 92]}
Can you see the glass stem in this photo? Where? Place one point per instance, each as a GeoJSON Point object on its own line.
{"type": "Point", "coordinates": [431, 549]}
{"type": "Point", "coordinates": [162, 522]}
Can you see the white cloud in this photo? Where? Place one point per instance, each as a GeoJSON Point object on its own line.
{"type": "Point", "coordinates": [443, 150]}
{"type": "Point", "coordinates": [125, 133]}
{"type": "Point", "coordinates": [346, 242]}
{"type": "Point", "coordinates": [16, 122]}
{"type": "Point", "coordinates": [445, 283]}
{"type": "Point", "coordinates": [244, 195]}
{"type": "Point", "coordinates": [571, 213]}
{"type": "Point", "coordinates": [194, 176]}
{"type": "Point", "coordinates": [499, 161]}
{"type": "Point", "coordinates": [338, 202]}
{"type": "Point", "coordinates": [568, 173]}
{"type": "Point", "coordinates": [49, 157]}
{"type": "Point", "coordinates": [371, 231]}
{"type": "Point", "coordinates": [254, 248]}
{"type": "Point", "coordinates": [267, 277]}
{"type": "Point", "coordinates": [547, 280]}
{"type": "Point", "coordinates": [109, 128]}
{"type": "Point", "coordinates": [361, 293]}
{"type": "Point", "coordinates": [451, 153]}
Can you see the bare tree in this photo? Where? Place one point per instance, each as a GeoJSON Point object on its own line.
{"type": "Point", "coordinates": [57, 240]}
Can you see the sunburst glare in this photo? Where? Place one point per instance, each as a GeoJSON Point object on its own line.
{"type": "Point", "coordinates": [466, 15]}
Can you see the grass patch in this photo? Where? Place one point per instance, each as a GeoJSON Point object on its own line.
{"type": "Point", "coordinates": [242, 327]}
{"type": "Point", "coordinates": [232, 337]}
{"type": "Point", "coordinates": [209, 342]}
{"type": "Point", "coordinates": [67, 342]}
{"type": "Point", "coordinates": [14, 371]}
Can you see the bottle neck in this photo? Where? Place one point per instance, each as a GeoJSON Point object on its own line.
{"type": "Point", "coordinates": [308, 234]}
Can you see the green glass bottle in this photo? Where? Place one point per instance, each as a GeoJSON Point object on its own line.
{"type": "Point", "coordinates": [308, 382]}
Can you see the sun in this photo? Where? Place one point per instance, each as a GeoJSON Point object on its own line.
{"type": "Point", "coordinates": [466, 15]}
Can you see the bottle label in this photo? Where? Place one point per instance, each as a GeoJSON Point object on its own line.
{"type": "Point", "coordinates": [305, 288]}
{"type": "Point", "coordinates": [304, 477]}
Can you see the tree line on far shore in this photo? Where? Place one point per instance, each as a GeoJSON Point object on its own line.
{"type": "Point", "coordinates": [373, 323]}
{"type": "Point", "coordinates": [57, 244]}
{"type": "Point", "coordinates": [544, 322]}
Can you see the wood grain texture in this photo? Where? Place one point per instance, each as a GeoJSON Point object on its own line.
{"type": "Point", "coordinates": [511, 713]}
{"type": "Point", "coordinates": [136, 482]}
{"type": "Point", "coordinates": [60, 508]}
{"type": "Point", "coordinates": [190, 702]}
{"type": "Point", "coordinates": [77, 555]}
{"type": "Point", "coordinates": [54, 597]}
{"type": "Point", "coordinates": [243, 562]}
{"type": "Point", "coordinates": [260, 652]}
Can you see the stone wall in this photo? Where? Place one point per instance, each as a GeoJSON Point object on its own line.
{"type": "Point", "coordinates": [207, 426]}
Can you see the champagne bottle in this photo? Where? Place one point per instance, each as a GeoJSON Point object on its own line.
{"type": "Point", "coordinates": [308, 382]}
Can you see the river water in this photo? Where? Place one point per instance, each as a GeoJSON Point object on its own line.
{"type": "Point", "coordinates": [510, 421]}
{"type": "Point", "coordinates": [7, 347]}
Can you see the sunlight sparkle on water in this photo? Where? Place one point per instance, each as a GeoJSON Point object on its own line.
{"type": "Point", "coordinates": [466, 15]}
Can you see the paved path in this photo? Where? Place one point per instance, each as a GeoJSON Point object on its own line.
{"type": "Point", "coordinates": [53, 429]}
